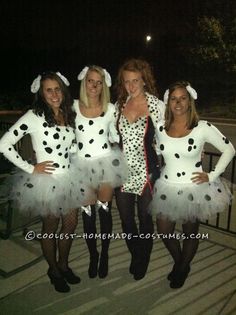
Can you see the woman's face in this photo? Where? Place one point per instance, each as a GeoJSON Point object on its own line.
{"type": "Point", "coordinates": [52, 94]}
{"type": "Point", "coordinates": [133, 83]}
{"type": "Point", "coordinates": [93, 84]}
{"type": "Point", "coordinates": [179, 102]}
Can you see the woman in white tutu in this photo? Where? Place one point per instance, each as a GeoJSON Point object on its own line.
{"type": "Point", "coordinates": [45, 188]}
{"type": "Point", "coordinates": [184, 191]}
{"type": "Point", "coordinates": [100, 163]}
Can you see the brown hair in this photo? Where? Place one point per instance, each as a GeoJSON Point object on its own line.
{"type": "Point", "coordinates": [40, 106]}
{"type": "Point", "coordinates": [193, 118]}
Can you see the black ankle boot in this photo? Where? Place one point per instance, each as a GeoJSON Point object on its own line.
{"type": "Point", "coordinates": [93, 266]}
{"type": "Point", "coordinates": [140, 270]}
{"type": "Point", "coordinates": [141, 267]}
{"type": "Point", "coordinates": [103, 266]}
{"type": "Point", "coordinates": [179, 278]}
{"type": "Point", "coordinates": [132, 266]}
{"type": "Point", "coordinates": [172, 274]}
{"type": "Point", "coordinates": [59, 283]}
{"type": "Point", "coordinates": [69, 276]}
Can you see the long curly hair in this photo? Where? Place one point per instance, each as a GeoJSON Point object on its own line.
{"type": "Point", "coordinates": [193, 118]}
{"type": "Point", "coordinates": [40, 105]}
{"type": "Point", "coordinates": [135, 65]}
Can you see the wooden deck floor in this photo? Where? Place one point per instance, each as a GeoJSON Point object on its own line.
{"type": "Point", "coordinates": [210, 288]}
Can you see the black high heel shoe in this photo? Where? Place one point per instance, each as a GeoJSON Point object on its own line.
{"type": "Point", "coordinates": [103, 266]}
{"type": "Point", "coordinates": [93, 266]}
{"type": "Point", "coordinates": [179, 278]}
{"type": "Point", "coordinates": [69, 276]}
{"type": "Point", "coordinates": [59, 283]}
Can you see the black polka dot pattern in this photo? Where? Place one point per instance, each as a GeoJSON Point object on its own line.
{"type": "Point", "coordinates": [48, 139]}
{"type": "Point", "coordinates": [92, 133]}
{"type": "Point", "coordinates": [226, 140]}
{"type": "Point", "coordinates": [133, 139]}
{"type": "Point", "coordinates": [49, 150]}
{"type": "Point", "coordinates": [190, 197]}
{"type": "Point", "coordinates": [56, 136]}
{"type": "Point", "coordinates": [163, 197]}
{"type": "Point", "coordinates": [116, 162]}
{"type": "Point", "coordinates": [24, 127]}
{"type": "Point", "coordinates": [176, 196]}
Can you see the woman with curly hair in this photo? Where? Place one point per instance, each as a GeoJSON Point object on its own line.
{"type": "Point", "coordinates": [45, 188]}
{"type": "Point", "coordinates": [138, 111]}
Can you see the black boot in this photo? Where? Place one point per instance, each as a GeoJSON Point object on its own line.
{"type": "Point", "coordinates": [93, 266]}
{"type": "Point", "coordinates": [69, 276]}
{"type": "Point", "coordinates": [179, 278]}
{"type": "Point", "coordinates": [143, 252]}
{"type": "Point", "coordinates": [106, 229]}
{"type": "Point", "coordinates": [59, 283]}
{"type": "Point", "coordinates": [132, 245]}
{"type": "Point", "coordinates": [89, 222]}
{"type": "Point", "coordinates": [171, 276]}
{"type": "Point", "coordinates": [103, 266]}
{"type": "Point", "coordinates": [132, 266]}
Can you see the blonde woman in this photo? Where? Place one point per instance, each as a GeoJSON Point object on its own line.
{"type": "Point", "coordinates": [97, 160]}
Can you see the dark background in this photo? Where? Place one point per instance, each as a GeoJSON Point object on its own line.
{"type": "Point", "coordinates": [67, 35]}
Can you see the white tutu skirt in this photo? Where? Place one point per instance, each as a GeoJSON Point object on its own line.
{"type": "Point", "coordinates": [189, 202]}
{"type": "Point", "coordinates": [44, 194]}
{"type": "Point", "coordinates": [109, 168]}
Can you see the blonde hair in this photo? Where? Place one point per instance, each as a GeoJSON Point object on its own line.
{"type": "Point", "coordinates": [135, 65]}
{"type": "Point", "coordinates": [192, 115]}
{"type": "Point", "coordinates": [105, 93]}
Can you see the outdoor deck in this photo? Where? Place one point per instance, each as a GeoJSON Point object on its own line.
{"type": "Point", "coordinates": [210, 288]}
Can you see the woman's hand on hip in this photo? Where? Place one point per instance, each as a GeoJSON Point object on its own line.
{"type": "Point", "coordinates": [200, 177]}
{"type": "Point", "coordinates": [45, 167]}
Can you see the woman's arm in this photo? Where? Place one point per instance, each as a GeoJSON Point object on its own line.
{"type": "Point", "coordinates": [220, 142]}
{"type": "Point", "coordinates": [22, 127]}
{"type": "Point", "coordinates": [112, 130]}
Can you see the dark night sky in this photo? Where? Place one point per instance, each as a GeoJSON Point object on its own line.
{"type": "Point", "coordinates": [66, 35]}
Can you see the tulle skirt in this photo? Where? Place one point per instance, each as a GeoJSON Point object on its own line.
{"type": "Point", "coordinates": [109, 168]}
{"type": "Point", "coordinates": [45, 194]}
{"type": "Point", "coordinates": [188, 202]}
